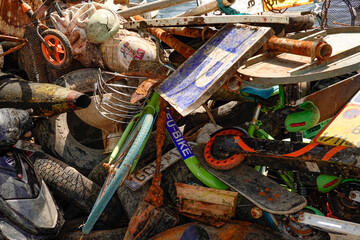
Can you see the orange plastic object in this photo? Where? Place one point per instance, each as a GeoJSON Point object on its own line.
{"type": "Point", "coordinates": [57, 54]}
{"type": "Point", "coordinates": [223, 164]}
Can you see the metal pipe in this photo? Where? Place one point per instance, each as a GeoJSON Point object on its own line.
{"type": "Point", "coordinates": [191, 32]}
{"type": "Point", "coordinates": [149, 7]}
{"type": "Point", "coordinates": [318, 49]}
{"type": "Point", "coordinates": [45, 99]}
{"type": "Point", "coordinates": [205, 8]}
{"type": "Point", "coordinates": [170, 40]}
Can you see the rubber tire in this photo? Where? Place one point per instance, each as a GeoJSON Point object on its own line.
{"type": "Point", "coordinates": [73, 186]}
{"type": "Point", "coordinates": [146, 124]}
{"type": "Point", "coordinates": [341, 211]}
{"type": "Point", "coordinates": [66, 44]}
{"type": "Point", "coordinates": [54, 134]}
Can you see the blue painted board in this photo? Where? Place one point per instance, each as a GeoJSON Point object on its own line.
{"type": "Point", "coordinates": [209, 67]}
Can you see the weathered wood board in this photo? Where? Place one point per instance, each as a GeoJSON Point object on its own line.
{"type": "Point", "coordinates": [209, 67]}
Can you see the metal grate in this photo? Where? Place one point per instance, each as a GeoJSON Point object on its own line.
{"type": "Point", "coordinates": [112, 98]}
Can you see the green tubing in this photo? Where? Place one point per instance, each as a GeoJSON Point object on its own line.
{"type": "Point", "coordinates": [121, 141]}
{"type": "Point", "coordinates": [204, 176]}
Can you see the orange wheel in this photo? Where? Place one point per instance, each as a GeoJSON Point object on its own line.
{"type": "Point", "coordinates": [59, 54]}
{"type": "Point", "coordinates": [224, 163]}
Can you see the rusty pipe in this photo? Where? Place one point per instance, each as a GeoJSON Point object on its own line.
{"type": "Point", "coordinates": [319, 49]}
{"type": "Point", "coordinates": [191, 32]}
{"type": "Point", "coordinates": [170, 40]}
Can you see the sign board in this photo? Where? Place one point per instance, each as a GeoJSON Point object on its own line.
{"type": "Point", "coordinates": [344, 129]}
{"type": "Point", "coordinates": [209, 67]}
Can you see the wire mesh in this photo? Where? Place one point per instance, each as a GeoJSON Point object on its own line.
{"type": "Point", "coordinates": [343, 13]}
{"type": "Point", "coordinates": [112, 98]}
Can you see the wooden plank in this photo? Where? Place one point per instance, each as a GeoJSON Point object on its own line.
{"type": "Point", "coordinates": [199, 21]}
{"type": "Point", "coordinates": [209, 67]}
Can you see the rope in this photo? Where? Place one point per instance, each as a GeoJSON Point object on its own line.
{"type": "Point", "coordinates": [228, 10]}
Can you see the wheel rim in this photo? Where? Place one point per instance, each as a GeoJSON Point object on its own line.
{"type": "Point", "coordinates": [56, 55]}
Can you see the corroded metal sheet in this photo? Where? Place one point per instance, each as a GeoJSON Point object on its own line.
{"type": "Point", "coordinates": [344, 129]}
{"type": "Point", "coordinates": [339, 94]}
{"type": "Point", "coordinates": [195, 21]}
{"type": "Point", "coordinates": [12, 19]}
{"type": "Point", "coordinates": [209, 67]}
{"type": "Point", "coordinates": [288, 68]}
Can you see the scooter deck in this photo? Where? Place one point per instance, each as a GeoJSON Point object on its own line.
{"type": "Point", "coordinates": [259, 189]}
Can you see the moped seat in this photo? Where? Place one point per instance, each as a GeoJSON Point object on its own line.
{"type": "Point", "coordinates": [259, 92]}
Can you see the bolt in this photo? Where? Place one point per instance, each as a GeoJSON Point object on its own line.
{"type": "Point", "coordinates": [256, 212]}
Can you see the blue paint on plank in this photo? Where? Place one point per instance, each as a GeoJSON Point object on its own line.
{"type": "Point", "coordinates": [180, 88]}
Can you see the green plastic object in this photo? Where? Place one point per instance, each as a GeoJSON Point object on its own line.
{"type": "Point", "coordinates": [102, 25]}
{"type": "Point", "coordinates": [312, 132]}
{"type": "Point", "coordinates": [306, 118]}
{"type": "Point", "coordinates": [326, 183]}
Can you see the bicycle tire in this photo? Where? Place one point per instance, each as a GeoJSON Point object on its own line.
{"type": "Point", "coordinates": [100, 204]}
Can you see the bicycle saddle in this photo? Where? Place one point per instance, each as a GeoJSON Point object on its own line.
{"type": "Point", "coordinates": [259, 92]}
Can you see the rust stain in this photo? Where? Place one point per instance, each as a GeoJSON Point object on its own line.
{"type": "Point", "coordinates": [262, 193]}
{"type": "Point", "coordinates": [170, 40]}
{"type": "Point", "coordinates": [270, 199]}
{"type": "Point", "coordinates": [12, 19]}
{"type": "Point", "coordinates": [246, 180]}
{"type": "Point", "coordinates": [267, 189]}
{"type": "Point", "coordinates": [276, 195]}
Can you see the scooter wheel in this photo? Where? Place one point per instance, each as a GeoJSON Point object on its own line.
{"type": "Point", "coordinates": [223, 163]}
{"type": "Point", "coordinates": [342, 204]}
{"type": "Point", "coordinates": [59, 54]}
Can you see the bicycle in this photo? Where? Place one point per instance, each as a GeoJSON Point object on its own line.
{"type": "Point", "coordinates": [128, 150]}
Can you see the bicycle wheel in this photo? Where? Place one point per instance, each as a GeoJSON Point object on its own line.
{"type": "Point", "coordinates": [112, 184]}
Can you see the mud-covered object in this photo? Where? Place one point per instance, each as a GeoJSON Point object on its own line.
{"type": "Point", "coordinates": [13, 124]}
{"type": "Point", "coordinates": [73, 25]}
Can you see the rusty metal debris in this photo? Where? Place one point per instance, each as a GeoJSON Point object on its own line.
{"type": "Point", "coordinates": [260, 156]}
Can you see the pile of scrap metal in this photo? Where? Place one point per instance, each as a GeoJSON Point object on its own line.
{"type": "Point", "coordinates": [93, 94]}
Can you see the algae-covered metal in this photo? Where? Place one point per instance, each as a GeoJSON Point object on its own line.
{"type": "Point", "coordinates": [214, 63]}
{"type": "Point", "coordinates": [45, 99]}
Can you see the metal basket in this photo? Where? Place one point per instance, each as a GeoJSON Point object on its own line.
{"type": "Point", "coordinates": [112, 98]}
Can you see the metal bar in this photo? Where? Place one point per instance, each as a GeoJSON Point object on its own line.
{"type": "Point", "coordinates": [150, 7]}
{"type": "Point", "coordinates": [205, 8]}
{"type": "Point", "coordinates": [196, 21]}
{"type": "Point", "coordinates": [191, 32]}
{"type": "Point", "coordinates": [330, 224]}
{"type": "Point", "coordinates": [13, 49]}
